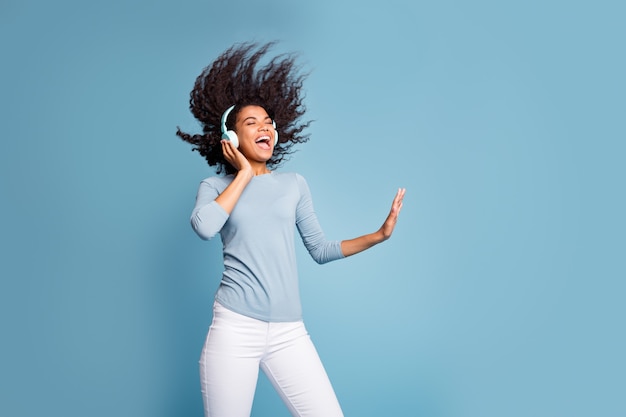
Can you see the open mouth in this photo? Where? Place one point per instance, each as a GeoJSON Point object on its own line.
{"type": "Point", "coordinates": [263, 142]}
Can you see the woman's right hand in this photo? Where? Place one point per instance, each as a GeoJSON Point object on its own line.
{"type": "Point", "coordinates": [234, 156]}
{"type": "Point", "coordinates": [229, 197]}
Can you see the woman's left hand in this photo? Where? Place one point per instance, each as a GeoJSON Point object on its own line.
{"type": "Point", "coordinates": [390, 223]}
{"type": "Point", "coordinates": [361, 243]}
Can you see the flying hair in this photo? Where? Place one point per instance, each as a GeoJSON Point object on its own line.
{"type": "Point", "coordinates": [237, 78]}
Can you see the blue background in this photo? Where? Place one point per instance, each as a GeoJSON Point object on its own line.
{"type": "Point", "coordinates": [501, 293]}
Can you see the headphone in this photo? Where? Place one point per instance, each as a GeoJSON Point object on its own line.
{"type": "Point", "coordinates": [232, 136]}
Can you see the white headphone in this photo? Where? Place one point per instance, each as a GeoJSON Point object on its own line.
{"type": "Point", "coordinates": [232, 136]}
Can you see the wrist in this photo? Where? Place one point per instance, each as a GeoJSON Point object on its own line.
{"type": "Point", "coordinates": [380, 235]}
{"type": "Point", "coordinates": [245, 173]}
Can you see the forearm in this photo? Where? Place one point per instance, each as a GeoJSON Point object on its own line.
{"type": "Point", "coordinates": [361, 243]}
{"type": "Point", "coordinates": [229, 197]}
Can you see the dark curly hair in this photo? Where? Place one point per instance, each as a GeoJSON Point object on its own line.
{"type": "Point", "coordinates": [235, 78]}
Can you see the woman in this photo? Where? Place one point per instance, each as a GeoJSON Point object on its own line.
{"type": "Point", "coordinates": [257, 318]}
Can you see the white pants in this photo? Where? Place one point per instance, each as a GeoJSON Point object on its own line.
{"type": "Point", "coordinates": [236, 346]}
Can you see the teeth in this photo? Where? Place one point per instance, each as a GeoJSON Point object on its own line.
{"type": "Point", "coordinates": [262, 139]}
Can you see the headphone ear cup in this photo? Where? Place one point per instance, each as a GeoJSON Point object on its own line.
{"type": "Point", "coordinates": [275, 137]}
{"type": "Point", "coordinates": [231, 136]}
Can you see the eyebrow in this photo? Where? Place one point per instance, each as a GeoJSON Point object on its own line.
{"type": "Point", "coordinates": [254, 118]}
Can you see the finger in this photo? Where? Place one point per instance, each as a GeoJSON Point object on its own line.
{"type": "Point", "coordinates": [227, 145]}
{"type": "Point", "coordinates": [227, 150]}
{"type": "Point", "coordinates": [398, 198]}
{"type": "Point", "coordinates": [398, 201]}
{"type": "Point", "coordinates": [399, 194]}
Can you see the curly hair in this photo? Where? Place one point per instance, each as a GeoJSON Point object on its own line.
{"type": "Point", "coordinates": [235, 78]}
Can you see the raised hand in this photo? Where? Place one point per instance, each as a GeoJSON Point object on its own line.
{"type": "Point", "coordinates": [390, 223]}
{"type": "Point", "coordinates": [229, 197]}
{"type": "Point", "coordinates": [361, 243]}
{"type": "Point", "coordinates": [235, 157]}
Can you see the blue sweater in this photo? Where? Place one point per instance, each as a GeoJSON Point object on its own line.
{"type": "Point", "coordinates": [260, 278]}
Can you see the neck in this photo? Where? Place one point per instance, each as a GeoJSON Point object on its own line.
{"type": "Point", "coordinates": [260, 169]}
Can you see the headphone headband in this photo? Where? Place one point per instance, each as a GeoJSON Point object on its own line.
{"type": "Point", "coordinates": [225, 116]}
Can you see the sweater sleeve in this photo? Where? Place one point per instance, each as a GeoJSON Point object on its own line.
{"type": "Point", "coordinates": [320, 249]}
{"type": "Point", "coordinates": [207, 217]}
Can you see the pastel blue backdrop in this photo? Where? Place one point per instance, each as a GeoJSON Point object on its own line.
{"type": "Point", "coordinates": [501, 293]}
